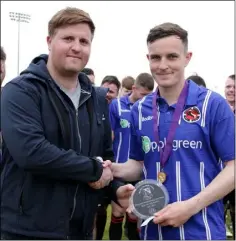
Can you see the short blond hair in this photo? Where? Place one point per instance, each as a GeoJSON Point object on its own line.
{"type": "Point", "coordinates": [69, 16]}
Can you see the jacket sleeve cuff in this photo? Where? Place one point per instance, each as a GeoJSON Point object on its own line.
{"type": "Point", "coordinates": [97, 169]}
{"type": "Point", "coordinates": [114, 185]}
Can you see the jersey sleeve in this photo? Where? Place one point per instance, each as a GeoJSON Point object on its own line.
{"type": "Point", "coordinates": [113, 114]}
{"type": "Point", "coordinates": [223, 131]}
{"type": "Point", "coordinates": [136, 151]}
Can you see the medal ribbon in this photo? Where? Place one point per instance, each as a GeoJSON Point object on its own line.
{"type": "Point", "coordinates": [165, 154]}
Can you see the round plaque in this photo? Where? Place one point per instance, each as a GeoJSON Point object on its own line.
{"type": "Point", "coordinates": [149, 197]}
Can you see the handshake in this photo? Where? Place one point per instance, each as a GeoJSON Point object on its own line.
{"type": "Point", "coordinates": [106, 178]}
{"type": "Point", "coordinates": [123, 192]}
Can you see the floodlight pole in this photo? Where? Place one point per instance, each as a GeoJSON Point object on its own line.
{"type": "Point", "coordinates": [20, 18]}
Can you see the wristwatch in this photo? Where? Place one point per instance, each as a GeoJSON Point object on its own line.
{"type": "Point", "coordinates": [99, 159]}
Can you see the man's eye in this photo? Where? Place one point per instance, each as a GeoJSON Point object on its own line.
{"type": "Point", "coordinates": [155, 57]}
{"type": "Point", "coordinates": [84, 41]}
{"type": "Point", "coordinates": [173, 56]}
{"type": "Point", "coordinates": [69, 38]}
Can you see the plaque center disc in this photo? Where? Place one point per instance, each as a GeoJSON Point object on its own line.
{"type": "Point", "coordinates": [149, 197]}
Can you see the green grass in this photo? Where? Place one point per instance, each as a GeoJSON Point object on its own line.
{"type": "Point", "coordinates": [228, 223]}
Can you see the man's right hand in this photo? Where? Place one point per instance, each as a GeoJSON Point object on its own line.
{"type": "Point", "coordinates": [104, 180]}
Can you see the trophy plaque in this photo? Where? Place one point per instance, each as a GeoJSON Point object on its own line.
{"type": "Point", "coordinates": [149, 197]}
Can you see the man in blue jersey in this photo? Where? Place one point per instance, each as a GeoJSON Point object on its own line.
{"type": "Point", "coordinates": [230, 91]}
{"type": "Point", "coordinates": [179, 135]}
{"type": "Point", "coordinates": [120, 122]}
{"type": "Point", "coordinates": [229, 200]}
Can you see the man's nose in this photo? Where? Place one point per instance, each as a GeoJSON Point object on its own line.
{"type": "Point", "coordinates": [163, 64]}
{"type": "Point", "coordinates": [76, 46]}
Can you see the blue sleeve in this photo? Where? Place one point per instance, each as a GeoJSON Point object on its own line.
{"type": "Point", "coordinates": [23, 134]}
{"type": "Point", "coordinates": [223, 131]}
{"type": "Point", "coordinates": [113, 114]}
{"type": "Point", "coordinates": [136, 150]}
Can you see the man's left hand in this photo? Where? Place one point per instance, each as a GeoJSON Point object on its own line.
{"type": "Point", "coordinates": [175, 214]}
{"type": "Point", "coordinates": [123, 194]}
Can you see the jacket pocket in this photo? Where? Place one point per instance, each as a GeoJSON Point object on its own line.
{"type": "Point", "coordinates": [46, 202]}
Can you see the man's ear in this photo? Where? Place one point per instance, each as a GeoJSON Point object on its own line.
{"type": "Point", "coordinates": [49, 41]}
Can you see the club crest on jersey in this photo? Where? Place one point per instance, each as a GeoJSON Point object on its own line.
{"type": "Point", "coordinates": [146, 144]}
{"type": "Point", "coordinates": [192, 114]}
{"type": "Point", "coordinates": [124, 123]}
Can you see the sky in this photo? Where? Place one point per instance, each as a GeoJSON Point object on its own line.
{"type": "Point", "coordinates": [119, 46]}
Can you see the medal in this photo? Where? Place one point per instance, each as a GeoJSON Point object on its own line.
{"type": "Point", "coordinates": [161, 176]}
{"type": "Point", "coordinates": [165, 152]}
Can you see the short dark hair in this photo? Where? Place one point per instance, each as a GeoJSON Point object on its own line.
{"type": "Point", "coordinates": [168, 29]}
{"type": "Point", "coordinates": [111, 79]}
{"type": "Point", "coordinates": [232, 76]}
{"type": "Point", "coordinates": [198, 80]}
{"type": "Point", "coordinates": [88, 71]}
{"type": "Point", "coordinates": [128, 82]}
{"type": "Point", "coordinates": [3, 54]}
{"type": "Point", "coordinates": [145, 80]}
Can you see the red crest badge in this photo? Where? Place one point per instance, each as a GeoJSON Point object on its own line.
{"type": "Point", "coordinates": [192, 114]}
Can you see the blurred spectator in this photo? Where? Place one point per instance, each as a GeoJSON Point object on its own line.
{"type": "Point", "coordinates": [198, 80]}
{"type": "Point", "coordinates": [3, 60]}
{"type": "Point", "coordinates": [126, 85]}
{"type": "Point", "coordinates": [90, 73]}
{"type": "Point", "coordinates": [113, 84]}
